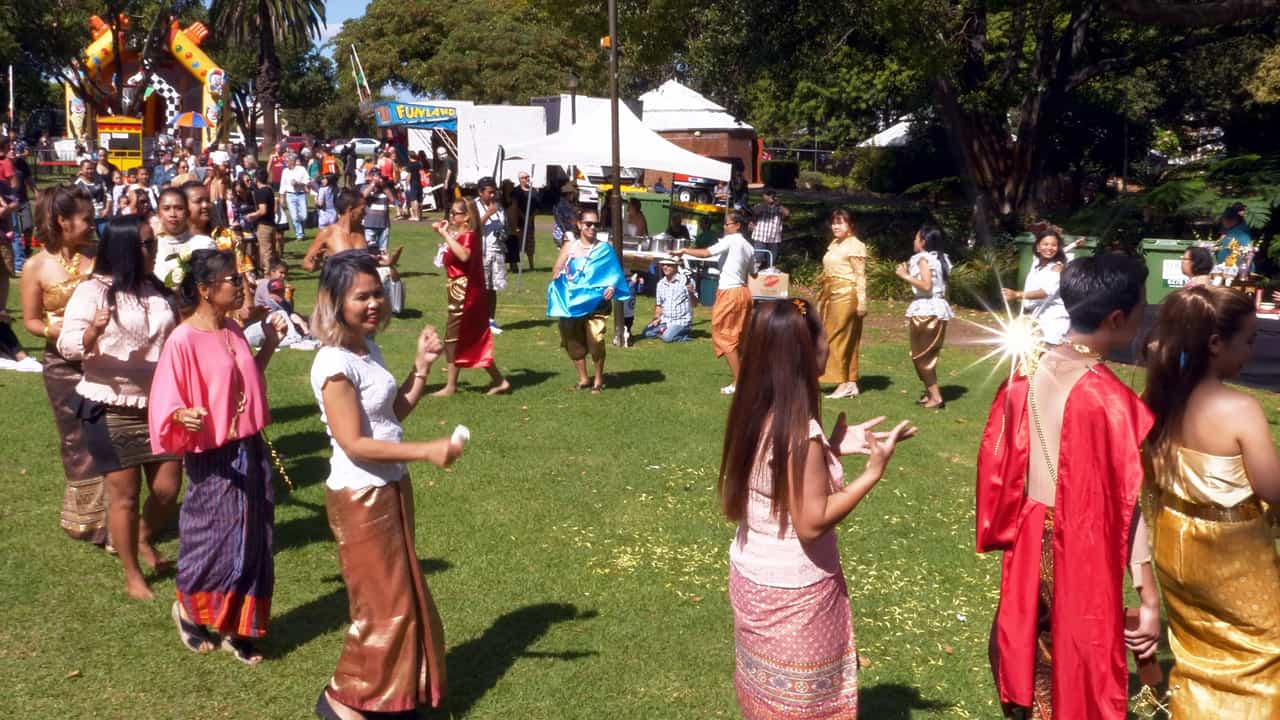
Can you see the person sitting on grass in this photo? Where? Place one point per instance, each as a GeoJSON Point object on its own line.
{"type": "Point", "coordinates": [673, 304]}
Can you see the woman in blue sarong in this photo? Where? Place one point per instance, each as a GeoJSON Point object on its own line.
{"type": "Point", "coordinates": [586, 279]}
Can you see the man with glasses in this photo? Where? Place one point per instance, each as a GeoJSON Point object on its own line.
{"type": "Point", "coordinates": [733, 299]}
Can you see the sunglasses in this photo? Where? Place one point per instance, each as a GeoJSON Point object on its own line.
{"type": "Point", "coordinates": [589, 224]}
{"type": "Point", "coordinates": [458, 212]}
{"type": "Point", "coordinates": [235, 280]}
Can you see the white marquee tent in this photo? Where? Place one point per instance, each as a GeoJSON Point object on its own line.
{"type": "Point", "coordinates": [673, 107]}
{"type": "Point", "coordinates": [589, 143]}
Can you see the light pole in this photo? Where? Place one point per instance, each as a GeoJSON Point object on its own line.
{"type": "Point", "coordinates": [573, 98]}
{"type": "Point", "coordinates": [615, 193]}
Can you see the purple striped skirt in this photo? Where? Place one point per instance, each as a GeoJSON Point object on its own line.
{"type": "Point", "coordinates": [226, 572]}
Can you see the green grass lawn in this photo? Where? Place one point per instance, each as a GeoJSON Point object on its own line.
{"type": "Point", "coordinates": [575, 551]}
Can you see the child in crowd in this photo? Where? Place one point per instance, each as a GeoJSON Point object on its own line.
{"type": "Point", "coordinates": [273, 294]}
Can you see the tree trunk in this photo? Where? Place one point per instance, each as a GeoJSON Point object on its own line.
{"type": "Point", "coordinates": [268, 78]}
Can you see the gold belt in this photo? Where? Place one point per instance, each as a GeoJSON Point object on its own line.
{"type": "Point", "coordinates": [1244, 512]}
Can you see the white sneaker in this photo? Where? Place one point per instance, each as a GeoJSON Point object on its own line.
{"type": "Point", "coordinates": [7, 364]}
{"type": "Point", "coordinates": [727, 390]}
{"type": "Point", "coordinates": [493, 327]}
{"type": "Point", "coordinates": [28, 364]}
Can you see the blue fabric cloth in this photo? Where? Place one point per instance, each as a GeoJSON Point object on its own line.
{"type": "Point", "coordinates": [1239, 233]}
{"type": "Point", "coordinates": [580, 288]}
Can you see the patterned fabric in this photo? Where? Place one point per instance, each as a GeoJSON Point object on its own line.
{"type": "Point", "coordinates": [84, 508]}
{"type": "Point", "coordinates": [673, 297]}
{"type": "Point", "coordinates": [768, 223]}
{"type": "Point", "coordinates": [226, 571]}
{"type": "Point", "coordinates": [838, 305]}
{"type": "Point", "coordinates": [796, 656]}
{"type": "Point", "coordinates": [933, 302]}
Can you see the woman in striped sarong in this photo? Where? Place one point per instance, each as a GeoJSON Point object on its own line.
{"type": "Point", "coordinates": [793, 629]}
{"type": "Point", "coordinates": [209, 404]}
{"type": "Point", "coordinates": [393, 659]}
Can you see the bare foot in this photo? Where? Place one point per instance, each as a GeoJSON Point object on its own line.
{"type": "Point", "coordinates": [445, 391]}
{"type": "Point", "coordinates": [504, 387]}
{"type": "Point", "coordinates": [153, 559]}
{"type": "Point", "coordinates": [394, 257]}
{"type": "Point", "coordinates": [137, 589]}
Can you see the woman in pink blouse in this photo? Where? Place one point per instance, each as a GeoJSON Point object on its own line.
{"type": "Point", "coordinates": [116, 323]}
{"type": "Point", "coordinates": [209, 405]}
{"type": "Point", "coordinates": [781, 480]}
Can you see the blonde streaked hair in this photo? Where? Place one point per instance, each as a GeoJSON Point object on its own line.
{"type": "Point", "coordinates": [339, 274]}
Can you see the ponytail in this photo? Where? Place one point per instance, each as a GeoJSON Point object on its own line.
{"type": "Point", "coordinates": [205, 267]}
{"type": "Point", "coordinates": [54, 203]}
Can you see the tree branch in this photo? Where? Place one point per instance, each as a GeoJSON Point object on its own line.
{"type": "Point", "coordinates": [1195, 13]}
{"type": "Point", "coordinates": [1189, 43]}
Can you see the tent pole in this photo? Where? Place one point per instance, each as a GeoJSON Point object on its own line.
{"type": "Point", "coordinates": [528, 208]}
{"type": "Point", "coordinates": [615, 194]}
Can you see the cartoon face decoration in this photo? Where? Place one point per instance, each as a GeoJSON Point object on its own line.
{"type": "Point", "coordinates": [77, 111]}
{"type": "Point", "coordinates": [217, 80]}
{"type": "Point", "coordinates": [214, 114]}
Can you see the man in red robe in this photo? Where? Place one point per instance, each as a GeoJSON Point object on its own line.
{"type": "Point", "coordinates": [1059, 472]}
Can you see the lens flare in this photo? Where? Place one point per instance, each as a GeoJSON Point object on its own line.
{"type": "Point", "coordinates": [1013, 338]}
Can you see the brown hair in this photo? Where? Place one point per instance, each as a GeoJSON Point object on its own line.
{"type": "Point", "coordinates": [777, 394]}
{"type": "Point", "coordinates": [1178, 353]}
{"type": "Point", "coordinates": [339, 273]}
{"type": "Point", "coordinates": [58, 202]}
{"type": "Point", "coordinates": [473, 215]}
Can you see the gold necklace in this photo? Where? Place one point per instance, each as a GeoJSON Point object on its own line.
{"type": "Point", "coordinates": [72, 266]}
{"type": "Point", "coordinates": [1086, 351]}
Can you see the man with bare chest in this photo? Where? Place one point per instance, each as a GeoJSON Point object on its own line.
{"type": "Point", "coordinates": [348, 234]}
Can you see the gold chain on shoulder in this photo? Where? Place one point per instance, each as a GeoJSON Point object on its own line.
{"type": "Point", "coordinates": [1035, 418]}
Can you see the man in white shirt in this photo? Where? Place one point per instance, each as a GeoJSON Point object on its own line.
{"type": "Point", "coordinates": [294, 185]}
{"type": "Point", "coordinates": [733, 299]}
{"type": "Point", "coordinates": [493, 229]}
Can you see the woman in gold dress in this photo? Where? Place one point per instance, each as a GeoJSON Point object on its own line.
{"type": "Point", "coordinates": [1210, 461]}
{"type": "Point", "coordinates": [842, 304]}
{"type": "Point", "coordinates": [65, 226]}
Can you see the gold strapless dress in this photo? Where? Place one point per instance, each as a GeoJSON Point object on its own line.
{"type": "Point", "coordinates": [1215, 557]}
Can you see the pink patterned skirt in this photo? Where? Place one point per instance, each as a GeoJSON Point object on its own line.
{"type": "Point", "coordinates": [796, 657]}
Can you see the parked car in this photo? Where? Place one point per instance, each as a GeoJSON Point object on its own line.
{"type": "Point", "coordinates": [364, 146]}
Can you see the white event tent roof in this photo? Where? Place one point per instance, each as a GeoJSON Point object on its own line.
{"type": "Point", "coordinates": [589, 142]}
{"type": "Point", "coordinates": [896, 135]}
{"type": "Point", "coordinates": [673, 106]}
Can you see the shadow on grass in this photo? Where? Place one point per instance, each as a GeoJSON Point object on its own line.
{"type": "Point", "coordinates": [476, 665]}
{"type": "Point", "coordinates": [951, 393]}
{"type": "Point", "coordinates": [409, 314]}
{"type": "Point", "coordinates": [323, 614]}
{"type": "Point", "coordinates": [289, 413]}
{"type": "Point", "coordinates": [521, 378]}
{"type": "Point", "coordinates": [526, 324]}
{"type": "Point", "coordinates": [894, 702]}
{"type": "Point", "coordinates": [627, 378]}
{"type": "Point", "coordinates": [873, 382]}
{"type": "Point", "coordinates": [415, 273]}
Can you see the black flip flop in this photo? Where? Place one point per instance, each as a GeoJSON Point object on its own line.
{"type": "Point", "coordinates": [582, 386]}
{"type": "Point", "coordinates": [192, 635]}
{"type": "Point", "coordinates": [242, 649]}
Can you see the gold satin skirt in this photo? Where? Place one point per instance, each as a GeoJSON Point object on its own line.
{"type": "Point", "coordinates": [838, 306]}
{"type": "Point", "coordinates": [928, 333]}
{"type": "Point", "coordinates": [582, 335]}
{"type": "Point", "coordinates": [393, 659]}
{"type": "Point", "coordinates": [1220, 577]}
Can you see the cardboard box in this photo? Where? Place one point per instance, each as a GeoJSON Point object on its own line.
{"type": "Point", "coordinates": [769, 284]}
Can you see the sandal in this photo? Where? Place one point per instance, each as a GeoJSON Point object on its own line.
{"type": "Point", "coordinates": [582, 385]}
{"type": "Point", "coordinates": [595, 389]}
{"type": "Point", "coordinates": [242, 649]}
{"type": "Point", "coordinates": [194, 637]}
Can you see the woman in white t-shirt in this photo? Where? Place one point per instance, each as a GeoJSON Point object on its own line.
{"type": "Point", "coordinates": [393, 659]}
{"type": "Point", "coordinates": [1039, 295]}
{"type": "Point", "coordinates": [928, 313]}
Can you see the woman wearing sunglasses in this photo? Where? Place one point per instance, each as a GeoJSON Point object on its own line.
{"type": "Point", "coordinates": [116, 323]}
{"type": "Point", "coordinates": [209, 405]}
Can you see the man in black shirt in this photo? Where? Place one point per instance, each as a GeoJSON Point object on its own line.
{"type": "Point", "coordinates": [348, 156]}
{"type": "Point", "coordinates": [263, 219]}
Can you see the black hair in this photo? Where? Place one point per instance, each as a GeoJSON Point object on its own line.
{"type": "Point", "coordinates": [1201, 260]}
{"type": "Point", "coordinates": [176, 191]}
{"type": "Point", "coordinates": [190, 185]}
{"type": "Point", "coordinates": [935, 243]}
{"type": "Point", "coordinates": [261, 175]}
{"type": "Point", "coordinates": [332, 179]}
{"type": "Point", "coordinates": [206, 267]}
{"type": "Point", "coordinates": [1060, 256]}
{"type": "Point", "coordinates": [279, 264]}
{"type": "Point", "coordinates": [120, 258]}
{"type": "Point", "coordinates": [346, 199]}
{"type": "Point", "coordinates": [485, 182]}
{"type": "Point", "coordinates": [1094, 287]}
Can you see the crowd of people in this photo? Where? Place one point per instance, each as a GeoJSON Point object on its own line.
{"type": "Point", "coordinates": [159, 333]}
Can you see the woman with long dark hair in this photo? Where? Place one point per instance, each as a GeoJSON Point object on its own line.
{"type": "Point", "coordinates": [1039, 295]}
{"type": "Point", "coordinates": [64, 223]}
{"type": "Point", "coordinates": [1209, 462]}
{"type": "Point", "coordinates": [117, 322]}
{"type": "Point", "coordinates": [843, 304]}
{"type": "Point", "coordinates": [927, 315]}
{"type": "Point", "coordinates": [393, 659]}
{"type": "Point", "coordinates": [782, 482]}
{"type": "Point", "coordinates": [209, 405]}
{"type": "Point", "coordinates": [468, 341]}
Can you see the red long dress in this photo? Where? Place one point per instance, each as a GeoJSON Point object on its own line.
{"type": "Point", "coordinates": [468, 342]}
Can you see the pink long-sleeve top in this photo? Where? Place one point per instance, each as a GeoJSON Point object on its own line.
{"type": "Point", "coordinates": [210, 369]}
{"type": "Point", "coordinates": [119, 367]}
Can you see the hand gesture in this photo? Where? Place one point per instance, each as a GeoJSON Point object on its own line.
{"type": "Point", "coordinates": [429, 347]}
{"type": "Point", "coordinates": [901, 271]}
{"type": "Point", "coordinates": [1009, 294]}
{"type": "Point", "coordinates": [881, 448]}
{"type": "Point", "coordinates": [190, 418]}
{"type": "Point", "coordinates": [440, 226]}
{"type": "Point", "coordinates": [100, 319]}
{"type": "Point", "coordinates": [608, 293]}
{"type": "Point", "coordinates": [1144, 639]}
{"type": "Point", "coordinates": [274, 328]}
{"type": "Point", "coordinates": [855, 440]}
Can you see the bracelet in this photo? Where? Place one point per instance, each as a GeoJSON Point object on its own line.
{"type": "Point", "coordinates": [422, 376]}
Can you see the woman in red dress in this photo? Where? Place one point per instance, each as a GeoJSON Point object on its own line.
{"type": "Point", "coordinates": [468, 342]}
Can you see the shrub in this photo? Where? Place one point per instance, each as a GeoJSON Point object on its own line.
{"type": "Point", "coordinates": [883, 282]}
{"type": "Point", "coordinates": [780, 174]}
{"type": "Point", "coordinates": [810, 180]}
{"type": "Point", "coordinates": [976, 281]}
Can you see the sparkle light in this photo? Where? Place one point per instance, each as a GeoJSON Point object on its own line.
{"type": "Point", "coordinates": [1013, 338]}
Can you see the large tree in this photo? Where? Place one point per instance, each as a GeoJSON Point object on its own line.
{"type": "Point", "coordinates": [269, 23]}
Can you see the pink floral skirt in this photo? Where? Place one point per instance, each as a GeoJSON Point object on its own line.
{"type": "Point", "coordinates": [796, 656]}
